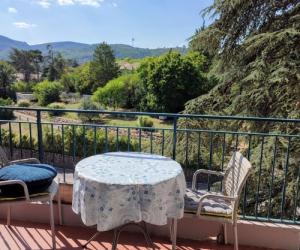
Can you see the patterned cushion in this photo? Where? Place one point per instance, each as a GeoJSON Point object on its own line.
{"type": "Point", "coordinates": [210, 206]}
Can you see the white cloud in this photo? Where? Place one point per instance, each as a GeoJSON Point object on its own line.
{"type": "Point", "coordinates": [12, 10]}
{"type": "Point", "coordinates": [24, 25]}
{"type": "Point", "coordinates": [65, 2]}
{"type": "Point", "coordinates": [44, 3]}
{"type": "Point", "coordinates": [93, 3]}
{"type": "Point", "coordinates": [115, 5]}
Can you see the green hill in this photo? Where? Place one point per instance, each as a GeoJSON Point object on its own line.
{"type": "Point", "coordinates": [82, 52]}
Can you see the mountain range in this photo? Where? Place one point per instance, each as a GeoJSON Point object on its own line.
{"type": "Point", "coordinates": [80, 51]}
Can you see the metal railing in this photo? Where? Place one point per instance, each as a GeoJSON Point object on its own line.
{"type": "Point", "coordinates": [197, 141]}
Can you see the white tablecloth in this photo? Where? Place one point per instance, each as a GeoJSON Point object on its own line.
{"type": "Point", "coordinates": [112, 189]}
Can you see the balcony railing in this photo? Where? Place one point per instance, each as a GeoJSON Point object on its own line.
{"type": "Point", "coordinates": [196, 141]}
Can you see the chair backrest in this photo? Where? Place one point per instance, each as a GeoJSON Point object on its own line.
{"type": "Point", "coordinates": [3, 157]}
{"type": "Point", "coordinates": [236, 175]}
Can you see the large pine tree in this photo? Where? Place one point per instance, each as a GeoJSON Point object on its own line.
{"type": "Point", "coordinates": [255, 47]}
{"type": "Point", "coordinates": [254, 50]}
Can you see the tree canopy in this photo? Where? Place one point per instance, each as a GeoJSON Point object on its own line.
{"type": "Point", "coordinates": [25, 61]}
{"type": "Point", "coordinates": [255, 45]}
{"type": "Point", "coordinates": [55, 65]}
{"type": "Point", "coordinates": [7, 74]}
{"type": "Point", "coordinates": [103, 67]}
{"type": "Point", "coordinates": [121, 92]}
{"type": "Point", "coordinates": [170, 80]}
{"type": "Point", "coordinates": [255, 54]}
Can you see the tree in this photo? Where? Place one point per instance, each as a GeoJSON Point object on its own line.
{"type": "Point", "coordinates": [169, 81]}
{"type": "Point", "coordinates": [78, 79]}
{"type": "Point", "coordinates": [23, 62]}
{"type": "Point", "coordinates": [256, 57]}
{"type": "Point", "coordinates": [55, 65]}
{"type": "Point", "coordinates": [7, 74]}
{"type": "Point", "coordinates": [37, 59]}
{"type": "Point", "coordinates": [119, 93]}
{"type": "Point", "coordinates": [103, 67]}
{"type": "Point", "coordinates": [255, 48]}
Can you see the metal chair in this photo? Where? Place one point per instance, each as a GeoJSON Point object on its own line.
{"type": "Point", "coordinates": [46, 196]}
{"type": "Point", "coordinates": [221, 206]}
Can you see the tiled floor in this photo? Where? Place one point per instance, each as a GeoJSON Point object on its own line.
{"type": "Point", "coordinates": [37, 236]}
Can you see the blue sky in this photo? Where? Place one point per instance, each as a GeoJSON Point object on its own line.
{"type": "Point", "coordinates": [152, 23]}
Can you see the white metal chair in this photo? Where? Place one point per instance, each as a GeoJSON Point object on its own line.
{"type": "Point", "coordinates": [46, 196]}
{"type": "Point", "coordinates": [221, 206]}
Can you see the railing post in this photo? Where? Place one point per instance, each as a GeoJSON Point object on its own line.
{"type": "Point", "coordinates": [174, 136]}
{"type": "Point", "coordinates": [40, 135]}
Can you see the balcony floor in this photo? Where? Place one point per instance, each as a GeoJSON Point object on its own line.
{"type": "Point", "coordinates": [21, 235]}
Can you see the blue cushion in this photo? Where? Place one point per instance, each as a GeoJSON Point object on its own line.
{"type": "Point", "coordinates": [38, 177]}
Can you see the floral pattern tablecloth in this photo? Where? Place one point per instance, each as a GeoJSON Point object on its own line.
{"type": "Point", "coordinates": [113, 189]}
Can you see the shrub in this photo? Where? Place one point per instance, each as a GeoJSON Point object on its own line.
{"type": "Point", "coordinates": [145, 121]}
{"type": "Point", "coordinates": [24, 103]}
{"type": "Point", "coordinates": [23, 86]}
{"type": "Point", "coordinates": [56, 105]}
{"type": "Point", "coordinates": [78, 79]}
{"type": "Point", "coordinates": [68, 97]}
{"type": "Point", "coordinates": [8, 93]}
{"type": "Point", "coordinates": [119, 93]}
{"type": "Point", "coordinates": [4, 113]}
{"type": "Point", "coordinates": [88, 104]}
{"type": "Point", "coordinates": [83, 142]}
{"type": "Point", "coordinates": [47, 92]}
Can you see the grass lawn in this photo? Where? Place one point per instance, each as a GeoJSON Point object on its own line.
{"type": "Point", "coordinates": [112, 120]}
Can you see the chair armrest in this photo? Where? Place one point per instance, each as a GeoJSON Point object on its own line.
{"type": "Point", "coordinates": [204, 171]}
{"type": "Point", "coordinates": [29, 160]}
{"type": "Point", "coordinates": [22, 183]}
{"type": "Point", "coordinates": [206, 196]}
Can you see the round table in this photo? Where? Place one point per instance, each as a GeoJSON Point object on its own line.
{"type": "Point", "coordinates": [113, 189]}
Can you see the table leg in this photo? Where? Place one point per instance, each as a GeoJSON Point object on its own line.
{"type": "Point", "coordinates": [93, 237]}
{"type": "Point", "coordinates": [117, 232]}
{"type": "Point", "coordinates": [173, 233]}
{"type": "Point", "coordinates": [142, 227]}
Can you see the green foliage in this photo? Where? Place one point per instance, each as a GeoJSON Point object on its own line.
{"type": "Point", "coordinates": [171, 80]}
{"type": "Point", "coordinates": [119, 93]}
{"type": "Point", "coordinates": [145, 121]}
{"type": "Point", "coordinates": [6, 114]}
{"type": "Point", "coordinates": [7, 74]}
{"type": "Point", "coordinates": [84, 83]}
{"type": "Point", "coordinates": [88, 104]}
{"type": "Point", "coordinates": [55, 65]}
{"type": "Point", "coordinates": [26, 61]}
{"type": "Point", "coordinates": [69, 80]}
{"type": "Point", "coordinates": [256, 58]}
{"type": "Point", "coordinates": [90, 142]}
{"type": "Point", "coordinates": [103, 67]}
{"type": "Point", "coordinates": [78, 79]}
{"type": "Point", "coordinates": [24, 103]}
{"type": "Point", "coordinates": [56, 105]}
{"type": "Point", "coordinates": [47, 92]}
{"type": "Point", "coordinates": [21, 86]}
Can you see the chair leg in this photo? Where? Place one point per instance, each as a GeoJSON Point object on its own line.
{"type": "Point", "coordinates": [52, 224]}
{"type": "Point", "coordinates": [174, 233]}
{"type": "Point", "coordinates": [8, 215]}
{"type": "Point", "coordinates": [225, 233]}
{"type": "Point", "coordinates": [236, 244]}
{"type": "Point", "coordinates": [59, 207]}
{"type": "Point", "coordinates": [171, 230]}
